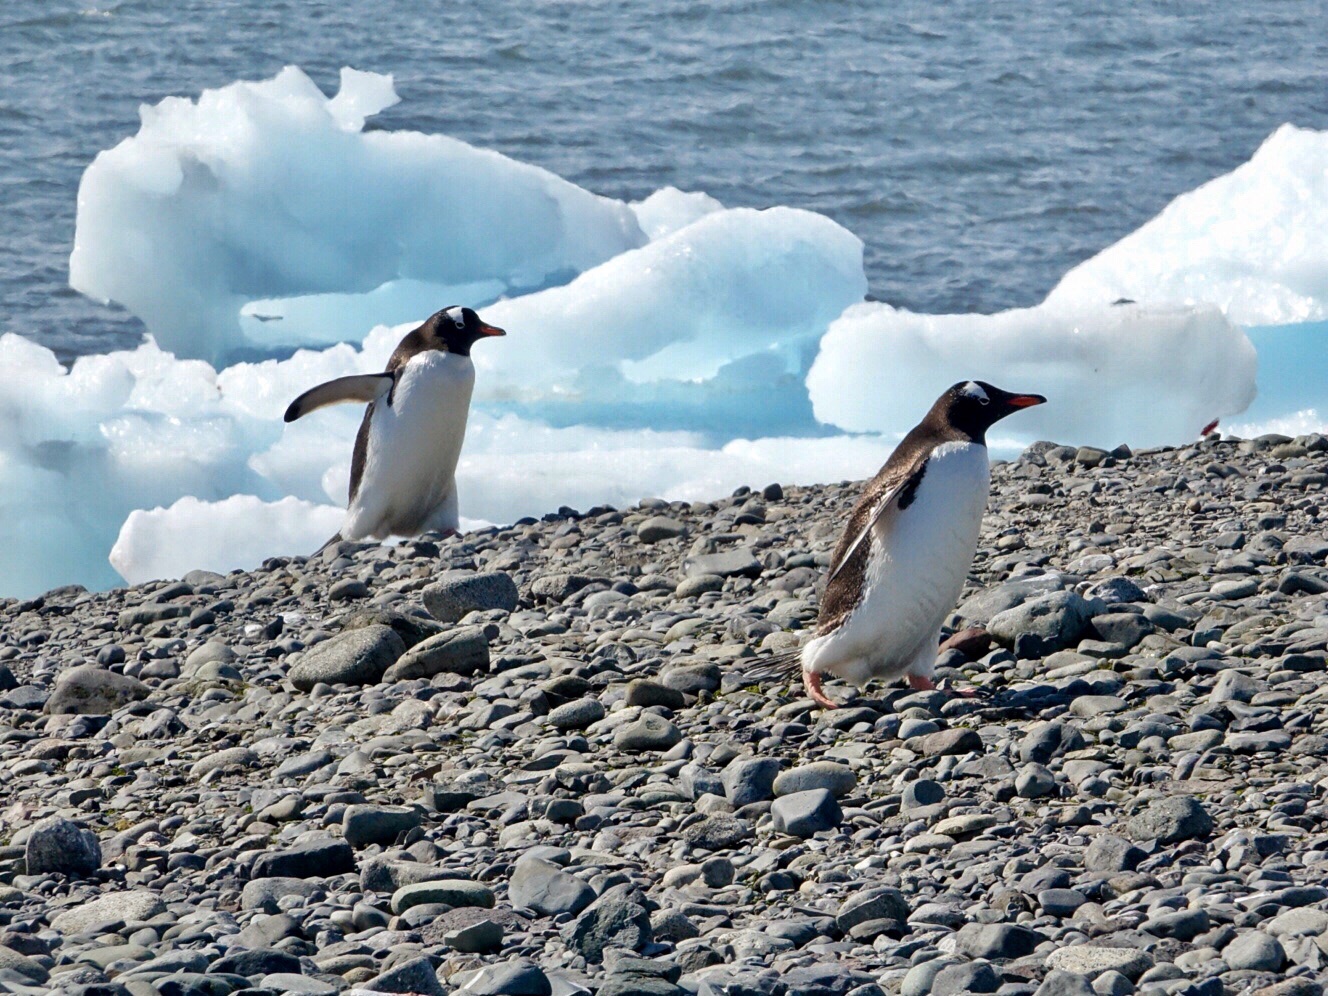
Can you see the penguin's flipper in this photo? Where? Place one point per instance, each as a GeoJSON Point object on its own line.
{"type": "Point", "coordinates": [886, 494]}
{"type": "Point", "coordinates": [358, 389]}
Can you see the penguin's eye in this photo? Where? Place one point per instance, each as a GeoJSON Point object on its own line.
{"type": "Point", "coordinates": [984, 401]}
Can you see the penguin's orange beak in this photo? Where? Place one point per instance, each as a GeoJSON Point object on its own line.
{"type": "Point", "coordinates": [1026, 400]}
{"type": "Point", "coordinates": [486, 329]}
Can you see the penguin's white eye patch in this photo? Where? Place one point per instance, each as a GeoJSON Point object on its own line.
{"type": "Point", "coordinates": [973, 390]}
{"type": "Point", "coordinates": [458, 317]}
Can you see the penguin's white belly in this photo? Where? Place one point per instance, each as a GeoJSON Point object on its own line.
{"type": "Point", "coordinates": [408, 485]}
{"type": "Point", "coordinates": [919, 558]}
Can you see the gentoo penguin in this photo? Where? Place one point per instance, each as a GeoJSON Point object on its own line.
{"type": "Point", "coordinates": [402, 471]}
{"type": "Point", "coordinates": [907, 548]}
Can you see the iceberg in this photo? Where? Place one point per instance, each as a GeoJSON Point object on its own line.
{"type": "Point", "coordinates": [239, 531]}
{"type": "Point", "coordinates": [1253, 242]}
{"type": "Point", "coordinates": [512, 468]}
{"type": "Point", "coordinates": [270, 190]}
{"type": "Point", "coordinates": [1142, 375]}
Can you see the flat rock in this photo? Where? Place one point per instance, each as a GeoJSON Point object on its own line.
{"type": "Point", "coordinates": [658, 528]}
{"type": "Point", "coordinates": [738, 562]}
{"type": "Point", "coordinates": [457, 593]}
{"type": "Point", "coordinates": [836, 778]}
{"type": "Point", "coordinates": [547, 889]}
{"type": "Point", "coordinates": [1092, 960]}
{"type": "Point", "coordinates": [463, 651]}
{"type": "Point", "coordinates": [128, 907]}
{"type": "Point", "coordinates": [448, 891]}
{"type": "Point", "coordinates": [956, 741]}
{"type": "Point", "coordinates": [317, 858]}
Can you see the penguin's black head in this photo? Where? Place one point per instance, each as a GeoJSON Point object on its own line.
{"type": "Point", "coordinates": [456, 329]}
{"type": "Point", "coordinates": [974, 406]}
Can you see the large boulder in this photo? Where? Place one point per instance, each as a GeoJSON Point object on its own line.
{"type": "Point", "coordinates": [88, 690]}
{"type": "Point", "coordinates": [59, 845]}
{"type": "Point", "coordinates": [356, 657]}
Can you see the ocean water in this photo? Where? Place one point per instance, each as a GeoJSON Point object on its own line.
{"type": "Point", "coordinates": [980, 150]}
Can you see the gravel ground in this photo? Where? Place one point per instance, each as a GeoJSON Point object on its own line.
{"type": "Point", "coordinates": [529, 760]}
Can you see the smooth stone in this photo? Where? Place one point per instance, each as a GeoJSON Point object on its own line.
{"type": "Point", "coordinates": [364, 824]}
{"type": "Point", "coordinates": [738, 562]}
{"type": "Point", "coordinates": [576, 715]}
{"type": "Point", "coordinates": [648, 732]}
{"type": "Point", "coordinates": [59, 845]}
{"type": "Point", "coordinates": [457, 593]}
{"type": "Point", "coordinates": [1057, 620]}
{"type": "Point", "coordinates": [511, 978]}
{"type": "Point", "coordinates": [463, 651]}
{"type": "Point", "coordinates": [836, 778]}
{"type": "Point", "coordinates": [997, 940]}
{"type": "Point", "coordinates": [944, 742]}
{"type": "Point", "coordinates": [747, 780]}
{"type": "Point", "coordinates": [482, 937]}
{"type": "Point", "coordinates": [882, 903]}
{"type": "Point", "coordinates": [804, 814]}
{"type": "Point", "coordinates": [1034, 781]}
{"type": "Point", "coordinates": [547, 889]}
{"type": "Point", "coordinates": [1255, 951]}
{"type": "Point", "coordinates": [355, 657]}
{"type": "Point", "coordinates": [416, 976]}
{"type": "Point", "coordinates": [658, 528]}
{"type": "Point", "coordinates": [452, 891]}
{"type": "Point", "coordinates": [88, 690]}
{"type": "Point", "coordinates": [1171, 820]}
{"type": "Point", "coordinates": [646, 693]}
{"type": "Point", "coordinates": [1061, 983]}
{"type": "Point", "coordinates": [1093, 960]}
{"type": "Point", "coordinates": [317, 858]}
{"type": "Point", "coordinates": [231, 757]}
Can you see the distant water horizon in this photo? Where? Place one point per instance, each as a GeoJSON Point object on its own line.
{"type": "Point", "coordinates": [979, 152]}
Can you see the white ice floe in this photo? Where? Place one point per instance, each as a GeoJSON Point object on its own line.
{"type": "Point", "coordinates": [514, 468]}
{"type": "Point", "coordinates": [731, 284]}
{"type": "Point", "coordinates": [1253, 242]}
{"type": "Point", "coordinates": [263, 190]}
{"type": "Point", "coordinates": [239, 531]}
{"type": "Point", "coordinates": [1141, 375]}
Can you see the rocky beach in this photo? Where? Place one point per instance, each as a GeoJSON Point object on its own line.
{"type": "Point", "coordinates": [532, 760]}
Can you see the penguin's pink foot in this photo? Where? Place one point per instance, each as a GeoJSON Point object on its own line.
{"type": "Point", "coordinates": [812, 682]}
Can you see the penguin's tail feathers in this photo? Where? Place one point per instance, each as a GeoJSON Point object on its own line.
{"type": "Point", "coordinates": [336, 538]}
{"type": "Point", "coordinates": [785, 665]}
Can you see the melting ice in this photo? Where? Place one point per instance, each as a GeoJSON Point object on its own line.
{"type": "Point", "coordinates": [668, 347]}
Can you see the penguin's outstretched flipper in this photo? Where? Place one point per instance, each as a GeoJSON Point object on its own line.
{"type": "Point", "coordinates": [357, 389]}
